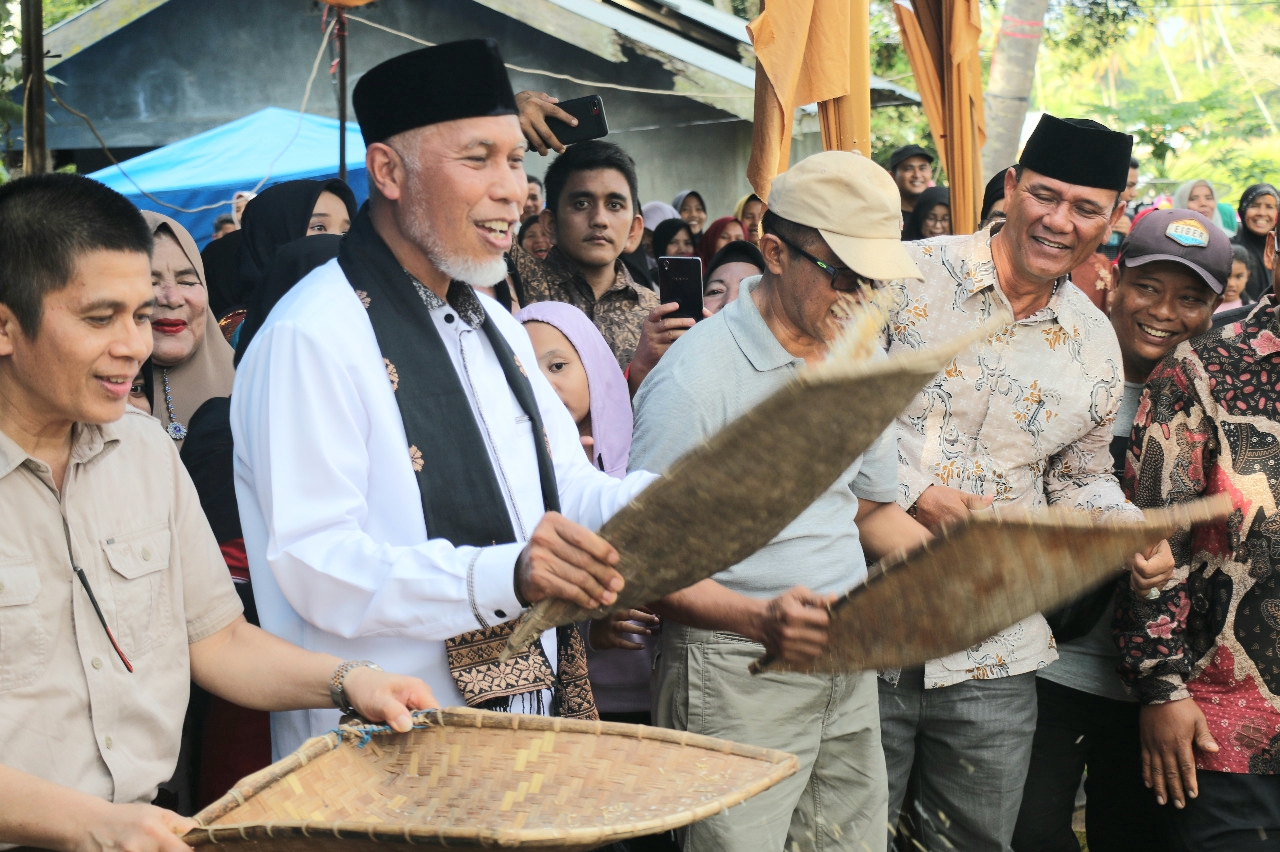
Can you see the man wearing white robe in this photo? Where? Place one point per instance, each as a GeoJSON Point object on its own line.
{"type": "Point", "coordinates": [339, 551]}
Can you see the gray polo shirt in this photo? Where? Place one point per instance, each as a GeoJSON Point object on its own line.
{"type": "Point", "coordinates": [719, 370]}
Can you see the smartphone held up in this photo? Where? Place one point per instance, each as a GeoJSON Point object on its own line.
{"type": "Point", "coordinates": [592, 123]}
{"type": "Point", "coordinates": [680, 281]}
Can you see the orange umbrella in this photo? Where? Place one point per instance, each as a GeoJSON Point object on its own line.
{"type": "Point", "coordinates": [941, 40]}
{"type": "Point", "coordinates": [809, 51]}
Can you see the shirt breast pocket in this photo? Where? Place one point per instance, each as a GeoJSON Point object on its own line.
{"type": "Point", "coordinates": [140, 587]}
{"type": "Point", "coordinates": [24, 643]}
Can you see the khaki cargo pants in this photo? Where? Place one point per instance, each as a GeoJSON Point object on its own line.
{"type": "Point", "coordinates": [837, 800]}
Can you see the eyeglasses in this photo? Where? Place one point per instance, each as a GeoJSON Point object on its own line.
{"type": "Point", "coordinates": [843, 279]}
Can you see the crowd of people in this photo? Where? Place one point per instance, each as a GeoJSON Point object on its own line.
{"type": "Point", "coordinates": [240, 483]}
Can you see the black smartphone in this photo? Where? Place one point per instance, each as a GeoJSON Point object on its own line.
{"type": "Point", "coordinates": [680, 281]}
{"type": "Point", "coordinates": [592, 123]}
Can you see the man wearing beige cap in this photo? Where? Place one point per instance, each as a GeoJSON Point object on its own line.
{"type": "Point", "coordinates": [832, 229]}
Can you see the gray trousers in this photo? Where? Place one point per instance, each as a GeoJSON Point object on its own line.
{"type": "Point", "coordinates": [970, 746]}
{"type": "Point", "coordinates": [837, 799]}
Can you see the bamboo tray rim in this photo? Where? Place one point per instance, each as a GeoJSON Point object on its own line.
{"type": "Point", "coordinates": [781, 765]}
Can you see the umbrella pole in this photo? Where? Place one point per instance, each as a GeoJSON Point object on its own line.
{"type": "Point", "coordinates": [341, 32]}
{"type": "Point", "coordinates": [35, 154]}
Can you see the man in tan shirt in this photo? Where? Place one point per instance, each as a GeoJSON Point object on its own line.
{"type": "Point", "coordinates": [113, 594]}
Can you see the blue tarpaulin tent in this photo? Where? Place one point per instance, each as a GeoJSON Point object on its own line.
{"type": "Point", "coordinates": [209, 168]}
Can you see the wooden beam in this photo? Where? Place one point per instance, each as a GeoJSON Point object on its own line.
{"type": "Point", "coordinates": [607, 43]}
{"type": "Point", "coordinates": [35, 152]}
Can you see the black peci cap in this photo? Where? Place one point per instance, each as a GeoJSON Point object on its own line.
{"type": "Point", "coordinates": [1079, 151]}
{"type": "Point", "coordinates": [461, 79]}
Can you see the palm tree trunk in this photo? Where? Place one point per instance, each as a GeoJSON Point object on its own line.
{"type": "Point", "coordinates": [1009, 86]}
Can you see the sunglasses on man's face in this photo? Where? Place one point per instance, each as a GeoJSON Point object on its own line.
{"type": "Point", "coordinates": [843, 279]}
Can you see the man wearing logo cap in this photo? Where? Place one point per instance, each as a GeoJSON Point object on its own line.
{"type": "Point", "coordinates": [1203, 655]}
{"type": "Point", "coordinates": [912, 170]}
{"type": "Point", "coordinates": [1172, 270]}
{"type": "Point", "coordinates": [1022, 419]}
{"type": "Point", "coordinates": [830, 231]}
{"type": "Point", "coordinates": [401, 465]}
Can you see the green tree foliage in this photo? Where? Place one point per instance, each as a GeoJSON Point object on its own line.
{"type": "Point", "coordinates": [897, 125]}
{"type": "Point", "coordinates": [1165, 75]}
{"type": "Point", "coordinates": [1082, 30]}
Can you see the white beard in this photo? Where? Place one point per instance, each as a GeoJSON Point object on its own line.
{"type": "Point", "coordinates": [473, 272]}
{"type": "Point", "coordinates": [476, 273]}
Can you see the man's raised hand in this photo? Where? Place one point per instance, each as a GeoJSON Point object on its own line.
{"type": "Point", "coordinates": [535, 108]}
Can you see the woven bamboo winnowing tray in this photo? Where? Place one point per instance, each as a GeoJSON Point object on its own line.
{"type": "Point", "coordinates": [982, 576]}
{"type": "Point", "coordinates": [726, 499]}
{"type": "Point", "coordinates": [472, 779]}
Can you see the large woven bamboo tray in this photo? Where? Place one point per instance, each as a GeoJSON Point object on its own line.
{"type": "Point", "coordinates": [472, 779]}
{"type": "Point", "coordinates": [980, 577]}
{"type": "Point", "coordinates": [753, 477]}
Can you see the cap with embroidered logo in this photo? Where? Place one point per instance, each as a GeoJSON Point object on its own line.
{"type": "Point", "coordinates": [1184, 237]}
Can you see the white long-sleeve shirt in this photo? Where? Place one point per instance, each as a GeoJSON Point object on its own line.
{"type": "Point", "coordinates": [338, 548]}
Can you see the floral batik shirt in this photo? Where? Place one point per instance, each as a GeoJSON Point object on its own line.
{"type": "Point", "coordinates": [1209, 423]}
{"type": "Point", "coordinates": [1023, 416]}
{"type": "Point", "coordinates": [619, 313]}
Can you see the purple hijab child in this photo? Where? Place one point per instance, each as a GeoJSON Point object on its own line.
{"type": "Point", "coordinates": [610, 401]}
{"type": "Point", "coordinates": [619, 677]}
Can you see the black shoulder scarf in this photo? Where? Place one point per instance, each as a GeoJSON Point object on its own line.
{"type": "Point", "coordinates": [461, 499]}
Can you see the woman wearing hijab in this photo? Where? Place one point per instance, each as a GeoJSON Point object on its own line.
{"type": "Point", "coordinates": [281, 214]}
{"type": "Point", "coordinates": [219, 258]}
{"type": "Point", "coordinates": [993, 200]}
{"type": "Point", "coordinates": [723, 231]}
{"type": "Point", "coordinates": [228, 741]}
{"type": "Point", "coordinates": [1200, 196]}
{"type": "Point", "coordinates": [657, 212]}
{"type": "Point", "coordinates": [191, 361]}
{"type": "Point", "coordinates": [233, 741]}
{"type": "Point", "coordinates": [750, 212]}
{"type": "Point", "coordinates": [238, 202]}
{"type": "Point", "coordinates": [931, 216]}
{"type": "Point", "coordinates": [581, 367]}
{"type": "Point", "coordinates": [575, 358]}
{"type": "Point", "coordinates": [723, 276]}
{"type": "Point", "coordinates": [673, 238]}
{"type": "Point", "coordinates": [654, 213]}
{"type": "Point", "coordinates": [692, 209]}
{"type": "Point", "coordinates": [1258, 209]}
{"type": "Point", "coordinates": [293, 262]}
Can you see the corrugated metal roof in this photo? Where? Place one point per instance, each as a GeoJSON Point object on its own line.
{"type": "Point", "coordinates": [690, 61]}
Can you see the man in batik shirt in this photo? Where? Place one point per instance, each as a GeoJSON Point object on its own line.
{"type": "Point", "coordinates": [1204, 655]}
{"type": "Point", "coordinates": [1022, 418]}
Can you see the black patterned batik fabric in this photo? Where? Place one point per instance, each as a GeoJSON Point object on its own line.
{"type": "Point", "coordinates": [619, 313]}
{"type": "Point", "coordinates": [1209, 423]}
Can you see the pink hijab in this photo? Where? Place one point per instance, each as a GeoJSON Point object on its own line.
{"type": "Point", "coordinates": [610, 401]}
